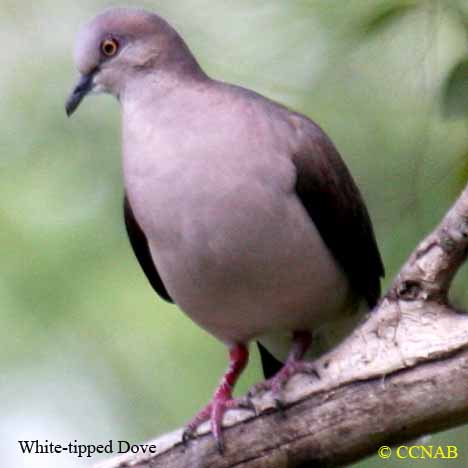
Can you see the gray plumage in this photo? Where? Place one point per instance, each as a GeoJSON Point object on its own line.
{"type": "Point", "coordinates": [239, 210]}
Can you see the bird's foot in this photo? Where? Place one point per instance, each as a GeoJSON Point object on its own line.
{"type": "Point", "coordinates": [276, 383]}
{"type": "Point", "coordinates": [222, 399]}
{"type": "Point", "coordinates": [214, 412]}
{"type": "Point", "coordinates": [294, 365]}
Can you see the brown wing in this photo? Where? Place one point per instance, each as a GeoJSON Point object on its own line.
{"type": "Point", "coordinates": [334, 203]}
{"type": "Point", "coordinates": [141, 249]}
{"type": "Point", "coordinates": [270, 365]}
{"type": "Point", "coordinates": [331, 198]}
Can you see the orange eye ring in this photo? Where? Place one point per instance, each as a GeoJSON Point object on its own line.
{"type": "Point", "coordinates": [109, 47]}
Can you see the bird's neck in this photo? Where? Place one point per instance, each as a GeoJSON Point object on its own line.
{"type": "Point", "coordinates": [160, 110]}
{"type": "Point", "coordinates": [174, 67]}
{"type": "Point", "coordinates": [156, 83]}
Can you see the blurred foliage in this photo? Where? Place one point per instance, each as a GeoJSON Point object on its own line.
{"type": "Point", "coordinates": [456, 90]}
{"type": "Point", "coordinates": [385, 14]}
{"type": "Point", "coordinates": [89, 352]}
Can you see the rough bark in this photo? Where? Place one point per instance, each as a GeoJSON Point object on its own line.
{"type": "Point", "coordinates": [401, 374]}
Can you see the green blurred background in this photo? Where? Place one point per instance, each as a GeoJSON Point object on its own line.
{"type": "Point", "coordinates": [89, 352]}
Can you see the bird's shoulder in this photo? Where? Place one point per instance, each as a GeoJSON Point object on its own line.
{"type": "Point", "coordinates": [301, 133]}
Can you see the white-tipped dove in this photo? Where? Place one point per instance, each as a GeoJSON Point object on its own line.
{"type": "Point", "coordinates": [239, 210]}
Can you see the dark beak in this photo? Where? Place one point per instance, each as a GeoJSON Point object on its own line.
{"type": "Point", "coordinates": [82, 88]}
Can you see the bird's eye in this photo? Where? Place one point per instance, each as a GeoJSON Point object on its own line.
{"type": "Point", "coordinates": [109, 47]}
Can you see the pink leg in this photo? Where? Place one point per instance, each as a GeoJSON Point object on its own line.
{"type": "Point", "coordinates": [293, 365]}
{"type": "Point", "coordinates": [222, 398]}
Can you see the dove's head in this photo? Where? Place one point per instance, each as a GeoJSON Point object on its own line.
{"type": "Point", "coordinates": [121, 44]}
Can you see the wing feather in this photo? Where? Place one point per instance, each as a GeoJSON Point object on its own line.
{"type": "Point", "coordinates": [334, 203]}
{"type": "Point", "coordinates": [142, 252]}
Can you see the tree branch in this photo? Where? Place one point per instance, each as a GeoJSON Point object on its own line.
{"type": "Point", "coordinates": [401, 374]}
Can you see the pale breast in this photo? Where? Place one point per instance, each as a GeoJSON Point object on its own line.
{"type": "Point", "coordinates": [232, 243]}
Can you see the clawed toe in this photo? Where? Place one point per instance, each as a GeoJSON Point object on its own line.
{"type": "Point", "coordinates": [259, 388]}
{"type": "Point", "coordinates": [276, 384]}
{"type": "Point", "coordinates": [214, 412]}
{"type": "Point", "coordinates": [244, 402]}
{"type": "Point", "coordinates": [187, 435]}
